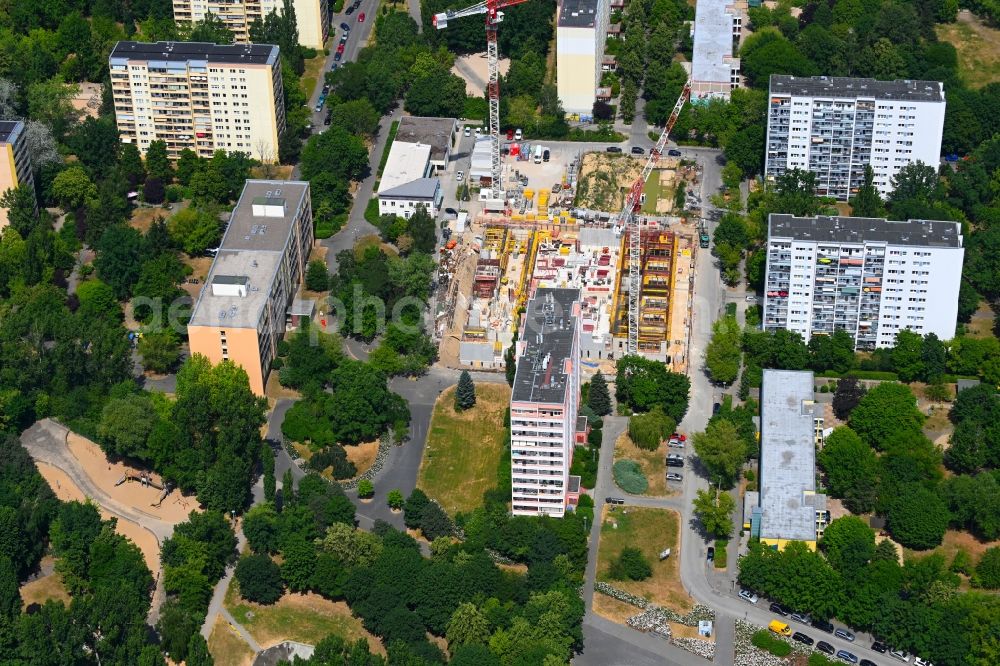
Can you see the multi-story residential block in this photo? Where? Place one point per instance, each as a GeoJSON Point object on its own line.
{"type": "Point", "coordinates": [716, 31]}
{"type": "Point", "coordinates": [15, 163]}
{"type": "Point", "coordinates": [581, 31]}
{"type": "Point", "coordinates": [787, 507]}
{"type": "Point", "coordinates": [869, 277]}
{"type": "Point", "coordinates": [544, 403]}
{"type": "Point", "coordinates": [243, 309]}
{"type": "Point", "coordinates": [312, 17]}
{"type": "Point", "coordinates": [200, 96]}
{"type": "Point", "coordinates": [835, 126]}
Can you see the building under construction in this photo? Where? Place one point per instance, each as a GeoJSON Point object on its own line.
{"type": "Point", "coordinates": [663, 311]}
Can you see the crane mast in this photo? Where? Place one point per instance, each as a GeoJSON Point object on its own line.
{"type": "Point", "coordinates": [628, 221]}
{"type": "Point", "coordinates": [491, 8]}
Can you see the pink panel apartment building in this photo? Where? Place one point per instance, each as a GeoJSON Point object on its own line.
{"type": "Point", "coordinates": [544, 403]}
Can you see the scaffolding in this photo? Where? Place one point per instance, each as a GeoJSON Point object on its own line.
{"type": "Point", "coordinates": [659, 249]}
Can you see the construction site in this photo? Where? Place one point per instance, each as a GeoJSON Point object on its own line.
{"type": "Point", "coordinates": [553, 236]}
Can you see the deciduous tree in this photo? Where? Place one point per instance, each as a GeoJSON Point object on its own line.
{"type": "Point", "coordinates": [888, 409]}
{"type": "Point", "coordinates": [715, 511]}
{"type": "Point", "coordinates": [721, 451]}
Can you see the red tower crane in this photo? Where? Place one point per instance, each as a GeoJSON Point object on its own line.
{"type": "Point", "coordinates": [491, 8]}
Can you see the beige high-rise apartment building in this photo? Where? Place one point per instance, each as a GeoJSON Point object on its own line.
{"type": "Point", "coordinates": [15, 162]}
{"type": "Point", "coordinates": [243, 308]}
{"type": "Point", "coordinates": [312, 17]}
{"type": "Point", "coordinates": [201, 96]}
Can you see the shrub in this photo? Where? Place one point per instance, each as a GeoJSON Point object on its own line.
{"type": "Point", "coordinates": [647, 430]}
{"type": "Point", "coordinates": [988, 569]}
{"type": "Point", "coordinates": [721, 556]}
{"type": "Point", "coordinates": [366, 488]}
{"type": "Point", "coordinates": [631, 564]}
{"type": "Point", "coordinates": [585, 465]}
{"type": "Point", "coordinates": [394, 499]}
{"type": "Point", "coordinates": [629, 477]}
{"type": "Point", "coordinates": [765, 640]}
{"type": "Point", "coordinates": [259, 578]}
{"type": "Point", "coordinates": [435, 523]}
{"type": "Point", "coordinates": [962, 563]}
{"type": "Point", "coordinates": [336, 457]}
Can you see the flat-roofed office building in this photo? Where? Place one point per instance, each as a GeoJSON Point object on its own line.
{"type": "Point", "coordinates": [243, 309]}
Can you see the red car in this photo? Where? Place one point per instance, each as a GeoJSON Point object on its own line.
{"type": "Point", "coordinates": [340, 48]}
{"type": "Point", "coordinates": [361, 17]}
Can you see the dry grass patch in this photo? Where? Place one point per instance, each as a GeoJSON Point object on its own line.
{"type": "Point", "coordinates": [142, 217]}
{"type": "Point", "coordinates": [649, 530]}
{"type": "Point", "coordinates": [44, 588]}
{"type": "Point", "coordinates": [307, 618]}
{"type": "Point", "coordinates": [652, 463]}
{"type": "Point", "coordinates": [464, 449]}
{"type": "Point", "coordinates": [275, 391]}
{"type": "Point", "coordinates": [272, 171]}
{"type": "Point", "coordinates": [362, 455]}
{"type": "Point", "coordinates": [955, 540]}
{"type": "Point", "coordinates": [978, 49]}
{"type": "Point", "coordinates": [226, 646]}
{"type": "Point", "coordinates": [981, 325]}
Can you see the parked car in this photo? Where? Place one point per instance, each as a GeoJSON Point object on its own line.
{"type": "Point", "coordinates": [879, 647]}
{"type": "Point", "coordinates": [613, 149]}
{"type": "Point", "coordinates": [674, 476]}
{"type": "Point", "coordinates": [518, 134]}
{"type": "Point", "coordinates": [361, 17]}
{"type": "Point", "coordinates": [349, 10]}
{"type": "Point", "coordinates": [917, 661]}
{"type": "Point", "coordinates": [337, 56]}
{"type": "Point", "coordinates": [780, 628]}
{"type": "Point", "coordinates": [638, 150]}
{"type": "Point", "coordinates": [747, 595]}
{"type": "Point", "coordinates": [751, 299]}
{"type": "Point", "coordinates": [333, 67]}
{"type": "Point", "coordinates": [459, 176]}
{"type": "Point", "coordinates": [902, 655]}
{"type": "Point", "coordinates": [716, 407]}
{"type": "Point", "coordinates": [340, 47]}
{"type": "Point", "coordinates": [866, 662]}
{"type": "Point", "coordinates": [710, 556]}
{"type": "Point", "coordinates": [802, 638]}
{"type": "Point", "coordinates": [326, 88]}
{"type": "Point", "coordinates": [675, 462]}
{"type": "Point", "coordinates": [318, 107]}
{"type": "Point", "coordinates": [343, 38]}
{"type": "Point", "coordinates": [673, 152]}
{"type": "Point", "coordinates": [823, 646]}
{"type": "Point", "coordinates": [345, 27]}
{"type": "Point", "coordinates": [823, 625]}
{"type": "Point", "coordinates": [844, 655]}
{"type": "Point", "coordinates": [804, 618]}
{"type": "Point", "coordinates": [327, 120]}
{"type": "Point", "coordinates": [779, 609]}
{"type": "Point", "coordinates": [614, 500]}
{"type": "Point", "coordinates": [468, 131]}
{"type": "Point", "coordinates": [845, 634]}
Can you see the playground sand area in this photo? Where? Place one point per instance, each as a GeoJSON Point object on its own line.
{"type": "Point", "coordinates": [174, 508]}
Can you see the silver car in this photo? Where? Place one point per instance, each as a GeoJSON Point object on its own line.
{"type": "Point", "coordinates": [747, 595]}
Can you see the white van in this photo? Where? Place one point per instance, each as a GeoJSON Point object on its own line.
{"type": "Point", "coordinates": [538, 154]}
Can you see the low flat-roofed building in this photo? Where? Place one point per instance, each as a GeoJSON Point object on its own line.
{"type": "Point", "coordinates": [438, 133]}
{"type": "Point", "coordinates": [791, 509]}
{"type": "Point", "coordinates": [244, 307]}
{"type": "Point", "coordinates": [407, 181]}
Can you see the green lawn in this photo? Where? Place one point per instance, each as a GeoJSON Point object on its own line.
{"type": "Point", "coordinates": [464, 450]}
{"type": "Point", "coordinates": [654, 191]}
{"type": "Point", "coordinates": [651, 531]}
{"type": "Point", "coordinates": [307, 618]}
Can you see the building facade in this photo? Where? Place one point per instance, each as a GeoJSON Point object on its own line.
{"type": "Point", "coordinates": [15, 162]}
{"type": "Point", "coordinates": [407, 181]}
{"type": "Point", "coordinates": [716, 31]}
{"type": "Point", "coordinates": [836, 126]}
{"type": "Point", "coordinates": [243, 310]}
{"type": "Point", "coordinates": [544, 403]}
{"type": "Point", "coordinates": [581, 31]}
{"type": "Point", "coordinates": [199, 96]}
{"type": "Point", "coordinates": [869, 277]}
{"type": "Point", "coordinates": [312, 16]}
{"type": "Point", "coordinates": [788, 508]}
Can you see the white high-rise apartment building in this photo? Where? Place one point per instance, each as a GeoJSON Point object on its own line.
{"type": "Point", "coordinates": [544, 403]}
{"type": "Point", "coordinates": [200, 96]}
{"type": "Point", "coordinates": [835, 126]}
{"type": "Point", "coordinates": [312, 17]}
{"type": "Point", "coordinates": [581, 31]}
{"type": "Point", "coordinates": [868, 276]}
